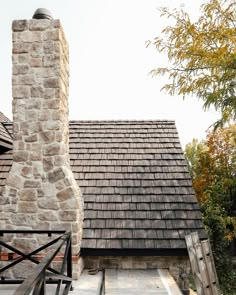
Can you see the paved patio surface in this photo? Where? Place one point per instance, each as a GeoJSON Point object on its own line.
{"type": "Point", "coordinates": [117, 282]}
{"type": "Point", "coordinates": [145, 282]}
{"type": "Point", "coordinates": [86, 285]}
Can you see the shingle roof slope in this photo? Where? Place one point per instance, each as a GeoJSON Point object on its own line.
{"type": "Point", "coordinates": [135, 182]}
{"type": "Point", "coordinates": [5, 137]}
{"type": "Point", "coordinates": [3, 118]}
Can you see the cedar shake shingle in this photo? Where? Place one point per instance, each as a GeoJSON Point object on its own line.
{"type": "Point", "coordinates": [135, 183]}
{"type": "Point", "coordinates": [5, 137]}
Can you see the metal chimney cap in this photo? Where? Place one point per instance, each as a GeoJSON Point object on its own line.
{"type": "Point", "coordinates": [42, 13]}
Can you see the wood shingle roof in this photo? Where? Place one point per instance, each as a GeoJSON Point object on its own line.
{"type": "Point", "coordinates": [5, 137]}
{"type": "Point", "coordinates": [135, 182]}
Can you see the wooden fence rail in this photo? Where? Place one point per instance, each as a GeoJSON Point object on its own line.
{"type": "Point", "coordinates": [202, 264]}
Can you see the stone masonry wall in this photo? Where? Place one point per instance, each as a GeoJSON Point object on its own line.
{"type": "Point", "coordinates": [178, 266]}
{"type": "Point", "coordinates": [41, 192]}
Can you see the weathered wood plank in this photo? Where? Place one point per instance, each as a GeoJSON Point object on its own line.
{"type": "Point", "coordinates": [194, 264]}
{"type": "Point", "coordinates": [203, 269]}
{"type": "Point", "coordinates": [208, 256]}
{"type": "Point", "coordinates": [202, 265]}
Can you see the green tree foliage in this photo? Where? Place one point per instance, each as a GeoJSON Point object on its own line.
{"type": "Point", "coordinates": [202, 56]}
{"type": "Point", "coordinates": [212, 164]}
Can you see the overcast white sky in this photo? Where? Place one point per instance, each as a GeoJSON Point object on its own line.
{"type": "Point", "coordinates": [109, 63]}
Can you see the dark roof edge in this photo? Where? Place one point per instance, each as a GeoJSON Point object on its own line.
{"type": "Point", "coordinates": [9, 133]}
{"type": "Point", "coordinates": [133, 252]}
{"type": "Point", "coordinates": [5, 144]}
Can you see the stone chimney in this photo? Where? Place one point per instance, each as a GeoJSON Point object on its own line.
{"type": "Point", "coordinates": [41, 192]}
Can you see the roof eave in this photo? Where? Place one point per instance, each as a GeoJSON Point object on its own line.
{"type": "Point", "coordinates": [133, 252]}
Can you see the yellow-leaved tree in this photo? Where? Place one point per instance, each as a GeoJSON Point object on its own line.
{"type": "Point", "coordinates": [212, 164]}
{"type": "Point", "coordinates": [202, 56]}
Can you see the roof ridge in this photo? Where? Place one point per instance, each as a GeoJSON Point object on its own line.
{"type": "Point", "coordinates": [122, 121]}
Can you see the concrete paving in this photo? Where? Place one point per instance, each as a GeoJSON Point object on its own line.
{"type": "Point", "coordinates": [145, 282]}
{"type": "Point", "coordinates": [86, 285]}
{"type": "Point", "coordinates": [133, 282]}
{"type": "Point", "coordinates": [117, 282]}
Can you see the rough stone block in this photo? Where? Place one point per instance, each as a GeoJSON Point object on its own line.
{"type": "Point", "coordinates": [49, 93]}
{"type": "Point", "coordinates": [56, 23]}
{"type": "Point", "coordinates": [27, 207]}
{"type": "Point", "coordinates": [52, 104]}
{"type": "Point", "coordinates": [60, 185]}
{"type": "Point", "coordinates": [42, 225]}
{"type": "Point", "coordinates": [20, 145]}
{"type": "Point", "coordinates": [12, 192]}
{"type": "Point", "coordinates": [35, 127]}
{"type": "Point", "coordinates": [126, 264]}
{"type": "Point", "coordinates": [69, 215]}
{"type": "Point", "coordinates": [59, 136]}
{"type": "Point", "coordinates": [53, 125]}
{"type": "Point", "coordinates": [51, 35]}
{"type": "Point", "coordinates": [35, 156]}
{"type": "Point", "coordinates": [22, 219]}
{"type": "Point", "coordinates": [4, 216]}
{"type": "Point", "coordinates": [55, 175]}
{"type": "Point", "coordinates": [48, 164]}
{"type": "Point", "coordinates": [32, 184]}
{"type": "Point", "coordinates": [49, 60]}
{"type": "Point", "coordinates": [47, 215]}
{"type": "Point", "coordinates": [29, 36]}
{"type": "Point", "coordinates": [44, 116]}
{"type": "Point", "coordinates": [60, 161]}
{"type": "Point", "coordinates": [14, 80]}
{"type": "Point", "coordinates": [28, 195]}
{"type": "Point", "coordinates": [26, 79]}
{"type": "Point", "coordinates": [32, 115]}
{"type": "Point", "coordinates": [21, 91]}
{"type": "Point", "coordinates": [37, 91]}
{"type": "Point", "coordinates": [20, 25]}
{"type": "Point", "coordinates": [39, 24]}
{"type": "Point", "coordinates": [51, 83]}
{"type": "Point", "coordinates": [58, 115]}
{"type": "Point", "coordinates": [48, 203]}
{"type": "Point", "coordinates": [21, 48]}
{"type": "Point", "coordinates": [20, 156]}
{"type": "Point", "coordinates": [52, 149]}
{"type": "Point", "coordinates": [36, 49]}
{"type": "Point", "coordinates": [45, 72]}
{"type": "Point", "coordinates": [27, 171]}
{"type": "Point", "coordinates": [66, 194]}
{"type": "Point", "coordinates": [51, 47]}
{"type": "Point", "coordinates": [20, 69]}
{"type": "Point", "coordinates": [24, 128]}
{"type": "Point", "coordinates": [62, 225]}
{"type": "Point", "coordinates": [31, 138]}
{"type": "Point", "coordinates": [18, 113]}
{"type": "Point", "coordinates": [23, 58]}
{"type": "Point", "coordinates": [69, 204]}
{"type": "Point", "coordinates": [36, 62]}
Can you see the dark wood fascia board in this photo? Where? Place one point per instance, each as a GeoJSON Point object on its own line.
{"type": "Point", "coordinates": [5, 145]}
{"type": "Point", "coordinates": [133, 252]}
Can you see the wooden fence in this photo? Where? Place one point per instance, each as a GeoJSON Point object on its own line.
{"type": "Point", "coordinates": [202, 264]}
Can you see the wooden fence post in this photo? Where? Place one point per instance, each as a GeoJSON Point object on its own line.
{"type": "Point", "coordinates": [202, 264]}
